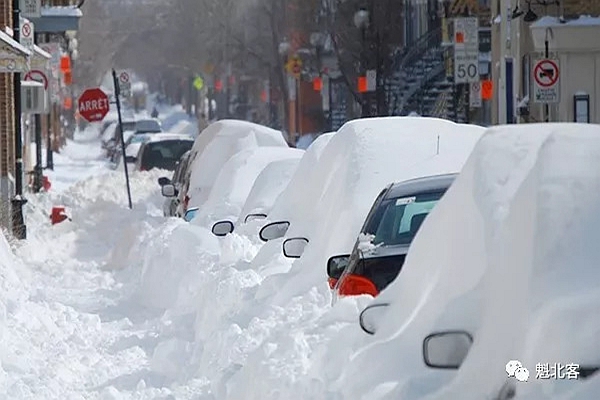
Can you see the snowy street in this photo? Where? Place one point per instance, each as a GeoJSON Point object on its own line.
{"type": "Point", "coordinates": [299, 200]}
{"type": "Point", "coordinates": [127, 304]}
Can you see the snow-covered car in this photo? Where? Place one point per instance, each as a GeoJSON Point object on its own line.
{"type": "Point", "coordinates": [385, 237]}
{"type": "Point", "coordinates": [234, 183]}
{"type": "Point", "coordinates": [171, 203]}
{"type": "Point", "coordinates": [512, 275]}
{"type": "Point", "coordinates": [268, 185]}
{"type": "Point", "coordinates": [299, 196]}
{"type": "Point", "coordinates": [132, 146]}
{"type": "Point", "coordinates": [213, 148]}
{"type": "Point", "coordinates": [150, 125]}
{"type": "Point", "coordinates": [163, 151]}
{"type": "Point", "coordinates": [365, 156]}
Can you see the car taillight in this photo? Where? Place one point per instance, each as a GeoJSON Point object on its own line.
{"type": "Point", "coordinates": [186, 201]}
{"type": "Point", "coordinates": [355, 285]}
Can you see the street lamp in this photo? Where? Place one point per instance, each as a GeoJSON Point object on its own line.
{"type": "Point", "coordinates": [318, 41]}
{"type": "Point", "coordinates": [361, 21]}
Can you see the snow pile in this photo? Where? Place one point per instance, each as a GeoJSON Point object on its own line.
{"type": "Point", "coordinates": [363, 157]}
{"type": "Point", "coordinates": [296, 201]}
{"type": "Point", "coordinates": [216, 145]}
{"type": "Point", "coordinates": [235, 181]}
{"type": "Point", "coordinates": [358, 158]}
{"type": "Point", "coordinates": [498, 189]}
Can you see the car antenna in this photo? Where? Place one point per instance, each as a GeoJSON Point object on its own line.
{"type": "Point", "coordinates": [437, 151]}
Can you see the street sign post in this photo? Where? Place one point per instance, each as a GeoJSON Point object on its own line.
{"type": "Point", "coordinates": [124, 83]}
{"type": "Point", "coordinates": [546, 80]}
{"type": "Point", "coordinates": [371, 76]}
{"type": "Point", "coordinates": [30, 8]}
{"type": "Point", "coordinates": [27, 34]}
{"type": "Point", "coordinates": [37, 76]}
{"type": "Point", "coordinates": [118, 78]}
{"type": "Point", "coordinates": [53, 48]}
{"type": "Point", "coordinates": [198, 83]}
{"type": "Point", "coordinates": [475, 95]}
{"type": "Point", "coordinates": [93, 105]}
{"type": "Point", "coordinates": [466, 50]}
{"type": "Point", "coordinates": [294, 66]}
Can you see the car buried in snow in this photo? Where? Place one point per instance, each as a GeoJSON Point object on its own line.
{"type": "Point", "coordinates": [163, 151]}
{"type": "Point", "coordinates": [171, 203]}
{"type": "Point", "coordinates": [384, 241]}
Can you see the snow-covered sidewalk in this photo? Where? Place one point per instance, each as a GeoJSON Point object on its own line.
{"type": "Point", "coordinates": [68, 327]}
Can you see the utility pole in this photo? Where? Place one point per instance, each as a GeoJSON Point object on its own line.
{"type": "Point", "coordinates": [504, 42]}
{"type": "Point", "coordinates": [38, 170]}
{"type": "Point", "coordinates": [49, 125]}
{"type": "Point", "coordinates": [18, 222]}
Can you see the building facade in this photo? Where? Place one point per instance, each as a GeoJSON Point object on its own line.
{"type": "Point", "coordinates": [563, 32]}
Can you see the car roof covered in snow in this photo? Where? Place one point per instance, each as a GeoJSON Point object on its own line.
{"type": "Point", "coordinates": [425, 184]}
{"type": "Point", "coordinates": [162, 136]}
{"type": "Point", "coordinates": [495, 268]}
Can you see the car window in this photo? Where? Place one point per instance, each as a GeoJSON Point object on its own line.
{"type": "Point", "coordinates": [164, 154]}
{"type": "Point", "coordinates": [374, 215]}
{"type": "Point", "coordinates": [148, 126]}
{"type": "Point", "coordinates": [403, 216]}
{"type": "Point", "coordinates": [138, 139]}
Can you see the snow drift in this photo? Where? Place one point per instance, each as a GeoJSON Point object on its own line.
{"type": "Point", "coordinates": [235, 180]}
{"type": "Point", "coordinates": [478, 254]}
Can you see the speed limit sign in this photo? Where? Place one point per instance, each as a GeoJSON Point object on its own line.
{"type": "Point", "coordinates": [466, 50]}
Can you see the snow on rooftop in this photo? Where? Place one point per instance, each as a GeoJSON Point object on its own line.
{"type": "Point", "coordinates": [6, 37]}
{"type": "Point", "coordinates": [61, 11]}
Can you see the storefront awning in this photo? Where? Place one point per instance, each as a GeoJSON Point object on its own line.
{"type": "Point", "coordinates": [57, 19]}
{"type": "Point", "coordinates": [13, 56]}
{"type": "Point", "coordinates": [40, 59]}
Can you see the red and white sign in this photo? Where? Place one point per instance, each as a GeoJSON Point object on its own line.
{"type": "Point", "coordinates": [93, 105]}
{"type": "Point", "coordinates": [546, 76]}
{"type": "Point", "coordinates": [37, 76]}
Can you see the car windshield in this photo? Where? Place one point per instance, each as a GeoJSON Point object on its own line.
{"type": "Point", "coordinates": [164, 154]}
{"type": "Point", "coordinates": [148, 125]}
{"type": "Point", "coordinates": [128, 126]}
{"type": "Point", "coordinates": [402, 217]}
{"type": "Point", "coordinates": [138, 138]}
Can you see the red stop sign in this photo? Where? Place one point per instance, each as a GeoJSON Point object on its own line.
{"type": "Point", "coordinates": [93, 105]}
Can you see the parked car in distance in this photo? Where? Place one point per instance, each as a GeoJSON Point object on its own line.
{"type": "Point", "coordinates": [133, 145]}
{"type": "Point", "coordinates": [150, 125]}
{"type": "Point", "coordinates": [163, 150]}
{"type": "Point", "coordinates": [386, 235]}
{"type": "Point", "coordinates": [171, 203]}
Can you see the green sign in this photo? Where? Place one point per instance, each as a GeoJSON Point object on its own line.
{"type": "Point", "coordinates": [198, 83]}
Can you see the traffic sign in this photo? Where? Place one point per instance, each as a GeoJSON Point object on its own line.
{"type": "Point", "coordinates": [30, 8]}
{"type": "Point", "coordinates": [198, 83]}
{"type": "Point", "coordinates": [124, 83]}
{"type": "Point", "coordinates": [546, 78]}
{"type": "Point", "coordinates": [294, 66]}
{"type": "Point", "coordinates": [27, 33]}
{"type": "Point", "coordinates": [93, 105]}
{"type": "Point", "coordinates": [37, 76]}
{"type": "Point", "coordinates": [466, 50]}
{"type": "Point", "coordinates": [475, 95]}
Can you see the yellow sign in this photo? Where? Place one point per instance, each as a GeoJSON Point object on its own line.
{"type": "Point", "coordinates": [198, 83]}
{"type": "Point", "coordinates": [294, 66]}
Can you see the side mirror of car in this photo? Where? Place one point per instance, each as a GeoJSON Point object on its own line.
{"type": "Point", "coordinates": [371, 316]}
{"type": "Point", "coordinates": [168, 190]}
{"type": "Point", "coordinates": [336, 265]}
{"type": "Point", "coordinates": [294, 247]}
{"type": "Point", "coordinates": [274, 230]}
{"type": "Point", "coordinates": [446, 350]}
{"type": "Point", "coordinates": [222, 228]}
{"type": "Point", "coordinates": [163, 180]}
{"type": "Point", "coordinates": [254, 217]}
{"type": "Point", "coordinates": [190, 214]}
